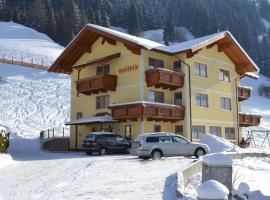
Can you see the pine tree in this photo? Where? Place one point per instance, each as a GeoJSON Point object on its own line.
{"type": "Point", "coordinates": [134, 26]}
{"type": "Point", "coordinates": [169, 32]}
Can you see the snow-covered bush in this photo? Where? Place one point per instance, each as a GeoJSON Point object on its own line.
{"type": "Point", "coordinates": [4, 142]}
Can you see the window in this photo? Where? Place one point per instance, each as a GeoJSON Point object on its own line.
{"type": "Point", "coordinates": [198, 131]}
{"type": "Point", "coordinates": [103, 70]}
{"type": "Point", "coordinates": [177, 66]}
{"type": "Point", "coordinates": [180, 140]}
{"type": "Point", "coordinates": [165, 139]}
{"type": "Point", "coordinates": [230, 133]}
{"type": "Point", "coordinates": [202, 100]}
{"type": "Point", "coordinates": [200, 69]}
{"type": "Point", "coordinates": [178, 98]}
{"type": "Point", "coordinates": [156, 63]}
{"type": "Point", "coordinates": [155, 96]}
{"type": "Point", "coordinates": [224, 75]}
{"type": "Point", "coordinates": [225, 103]}
{"type": "Point", "coordinates": [102, 101]}
{"type": "Point", "coordinates": [128, 131]}
{"type": "Point", "coordinates": [157, 128]}
{"type": "Point", "coordinates": [179, 129]}
{"type": "Point", "coordinates": [79, 115]}
{"type": "Point", "coordinates": [152, 139]}
{"type": "Point", "coordinates": [215, 130]}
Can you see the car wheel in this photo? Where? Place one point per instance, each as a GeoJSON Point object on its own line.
{"type": "Point", "coordinates": [128, 150]}
{"type": "Point", "coordinates": [102, 151]}
{"type": "Point", "coordinates": [199, 152]}
{"type": "Point", "coordinates": [156, 155]}
{"type": "Point", "coordinates": [89, 152]}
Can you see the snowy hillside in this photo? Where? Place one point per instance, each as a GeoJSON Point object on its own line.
{"type": "Point", "coordinates": [31, 99]}
{"type": "Point", "coordinates": [19, 41]}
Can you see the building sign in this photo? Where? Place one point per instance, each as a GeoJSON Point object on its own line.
{"type": "Point", "coordinates": [128, 68]}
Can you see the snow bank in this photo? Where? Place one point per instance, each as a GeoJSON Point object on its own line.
{"type": "Point", "coordinates": [5, 160]}
{"type": "Point", "coordinates": [217, 144]}
{"type": "Point", "coordinates": [212, 190]}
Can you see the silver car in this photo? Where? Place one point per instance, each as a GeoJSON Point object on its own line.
{"type": "Point", "coordinates": [157, 145]}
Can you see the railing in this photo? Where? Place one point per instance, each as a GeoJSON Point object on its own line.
{"type": "Point", "coordinates": [166, 79]}
{"type": "Point", "coordinates": [57, 132]}
{"type": "Point", "coordinates": [97, 84]}
{"type": "Point", "coordinates": [246, 120]}
{"type": "Point", "coordinates": [23, 62]}
{"type": "Point", "coordinates": [157, 112]}
{"type": "Point", "coordinates": [243, 93]}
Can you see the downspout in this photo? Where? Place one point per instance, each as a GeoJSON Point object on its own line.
{"type": "Point", "coordinates": [189, 91]}
{"type": "Point", "coordinates": [237, 110]}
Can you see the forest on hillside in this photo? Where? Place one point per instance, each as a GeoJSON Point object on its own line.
{"type": "Point", "coordinates": [63, 19]}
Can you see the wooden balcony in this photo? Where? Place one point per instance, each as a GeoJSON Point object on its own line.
{"type": "Point", "coordinates": [97, 84]}
{"type": "Point", "coordinates": [150, 111]}
{"type": "Point", "coordinates": [165, 79]}
{"type": "Point", "coordinates": [246, 120]}
{"type": "Point", "coordinates": [243, 93]}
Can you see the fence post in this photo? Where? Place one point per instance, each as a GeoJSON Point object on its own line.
{"type": "Point", "coordinates": [63, 132]}
{"type": "Point", "coordinates": [53, 132]}
{"type": "Point", "coordinates": [12, 59]}
{"type": "Point", "coordinates": [48, 133]}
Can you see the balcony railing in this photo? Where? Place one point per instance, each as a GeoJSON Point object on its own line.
{"type": "Point", "coordinates": [246, 120]}
{"type": "Point", "coordinates": [166, 79]}
{"type": "Point", "coordinates": [97, 84]}
{"type": "Point", "coordinates": [148, 110]}
{"type": "Point", "coordinates": [243, 93]}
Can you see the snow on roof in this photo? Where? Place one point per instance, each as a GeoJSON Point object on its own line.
{"type": "Point", "coordinates": [148, 44]}
{"type": "Point", "coordinates": [246, 87]}
{"type": "Point", "coordinates": [212, 189]}
{"type": "Point", "coordinates": [252, 75]}
{"type": "Point", "coordinates": [143, 102]}
{"type": "Point", "coordinates": [217, 159]}
{"type": "Point", "coordinates": [178, 47]}
{"type": "Point", "coordinates": [92, 119]}
{"type": "Point", "coordinates": [194, 44]}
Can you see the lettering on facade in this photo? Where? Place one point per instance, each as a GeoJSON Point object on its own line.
{"type": "Point", "coordinates": [127, 69]}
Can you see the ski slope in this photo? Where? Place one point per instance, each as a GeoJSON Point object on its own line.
{"type": "Point", "coordinates": [31, 99]}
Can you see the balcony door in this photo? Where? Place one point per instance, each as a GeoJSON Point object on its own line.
{"type": "Point", "coordinates": [103, 70]}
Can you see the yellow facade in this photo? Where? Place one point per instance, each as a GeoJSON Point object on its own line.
{"type": "Point", "coordinates": [131, 86]}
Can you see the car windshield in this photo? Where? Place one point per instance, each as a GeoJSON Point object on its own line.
{"type": "Point", "coordinates": [90, 137]}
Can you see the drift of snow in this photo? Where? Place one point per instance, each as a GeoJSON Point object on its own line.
{"type": "Point", "coordinates": [218, 144]}
{"type": "Point", "coordinates": [212, 190]}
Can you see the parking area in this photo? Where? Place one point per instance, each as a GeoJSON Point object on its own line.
{"type": "Point", "coordinates": [77, 176]}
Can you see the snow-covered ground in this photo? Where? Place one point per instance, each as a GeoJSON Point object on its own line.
{"type": "Point", "coordinates": [76, 176]}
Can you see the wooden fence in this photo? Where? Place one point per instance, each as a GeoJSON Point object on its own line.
{"type": "Point", "coordinates": [21, 62]}
{"type": "Point", "coordinates": [58, 132]}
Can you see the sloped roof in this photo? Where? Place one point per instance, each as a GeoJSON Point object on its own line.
{"type": "Point", "coordinates": [90, 33]}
